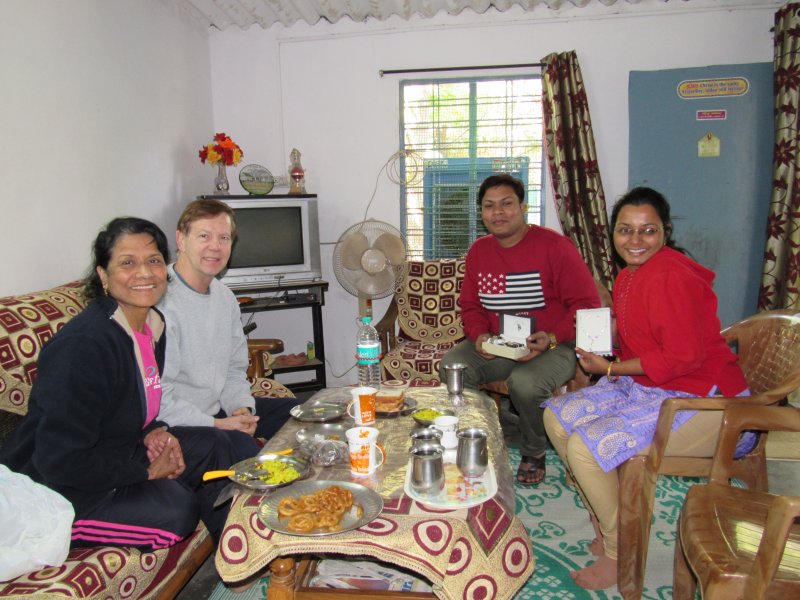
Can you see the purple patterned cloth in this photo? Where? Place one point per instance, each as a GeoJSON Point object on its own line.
{"type": "Point", "coordinates": [615, 419]}
{"type": "Point", "coordinates": [618, 419]}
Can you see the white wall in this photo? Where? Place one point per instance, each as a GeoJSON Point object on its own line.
{"type": "Point", "coordinates": [104, 106]}
{"type": "Point", "coordinates": [317, 88]}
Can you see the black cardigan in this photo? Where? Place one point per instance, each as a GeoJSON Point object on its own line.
{"type": "Point", "coordinates": [83, 433]}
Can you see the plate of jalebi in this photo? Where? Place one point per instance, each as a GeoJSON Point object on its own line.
{"type": "Point", "coordinates": [315, 508]}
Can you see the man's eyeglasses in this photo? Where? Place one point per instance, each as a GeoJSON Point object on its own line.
{"type": "Point", "coordinates": [643, 232]}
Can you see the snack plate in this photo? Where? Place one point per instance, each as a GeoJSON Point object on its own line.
{"type": "Point", "coordinates": [246, 467]}
{"type": "Point", "coordinates": [318, 411]}
{"type": "Point", "coordinates": [409, 406]}
{"type": "Point", "coordinates": [426, 422]}
{"type": "Point", "coordinates": [459, 491]}
{"type": "Point", "coordinates": [370, 501]}
{"type": "Point", "coordinates": [321, 432]}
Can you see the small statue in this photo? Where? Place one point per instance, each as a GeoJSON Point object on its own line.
{"type": "Point", "coordinates": [296, 174]}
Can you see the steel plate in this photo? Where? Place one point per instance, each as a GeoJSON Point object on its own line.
{"type": "Point", "coordinates": [245, 468]}
{"type": "Point", "coordinates": [370, 501]}
{"type": "Point", "coordinates": [318, 412]}
{"type": "Point", "coordinates": [321, 432]}
{"type": "Point", "coordinates": [409, 406]}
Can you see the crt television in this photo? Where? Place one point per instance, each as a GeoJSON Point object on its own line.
{"type": "Point", "coordinates": [277, 242]}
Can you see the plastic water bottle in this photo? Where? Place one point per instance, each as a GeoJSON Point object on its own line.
{"type": "Point", "coordinates": [368, 354]}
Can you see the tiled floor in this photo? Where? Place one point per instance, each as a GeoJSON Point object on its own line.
{"type": "Point", "coordinates": [784, 478]}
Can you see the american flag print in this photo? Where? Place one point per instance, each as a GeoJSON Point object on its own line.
{"type": "Point", "coordinates": [507, 292]}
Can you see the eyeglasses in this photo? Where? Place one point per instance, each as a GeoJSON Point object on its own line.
{"type": "Point", "coordinates": [644, 232]}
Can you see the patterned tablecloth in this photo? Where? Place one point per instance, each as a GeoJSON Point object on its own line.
{"type": "Point", "coordinates": [483, 552]}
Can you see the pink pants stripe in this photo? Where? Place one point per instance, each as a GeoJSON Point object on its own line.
{"type": "Point", "coordinates": [121, 534]}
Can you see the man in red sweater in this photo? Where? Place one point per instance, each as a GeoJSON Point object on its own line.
{"type": "Point", "coordinates": [521, 269]}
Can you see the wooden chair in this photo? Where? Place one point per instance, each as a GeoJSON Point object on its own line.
{"type": "Point", "coordinates": [769, 354]}
{"type": "Point", "coordinates": [739, 543]}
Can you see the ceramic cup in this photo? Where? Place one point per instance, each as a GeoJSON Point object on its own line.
{"type": "Point", "coordinates": [447, 424]}
{"type": "Point", "coordinates": [362, 406]}
{"type": "Point", "coordinates": [366, 454]}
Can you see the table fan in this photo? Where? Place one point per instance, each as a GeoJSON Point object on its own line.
{"type": "Point", "coordinates": [368, 261]}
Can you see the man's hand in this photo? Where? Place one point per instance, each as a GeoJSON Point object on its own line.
{"type": "Point", "coordinates": [165, 455]}
{"type": "Point", "coordinates": [536, 343]}
{"type": "Point", "coordinates": [484, 337]}
{"type": "Point", "coordinates": [241, 420]}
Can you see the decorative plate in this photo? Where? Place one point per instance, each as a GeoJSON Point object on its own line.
{"type": "Point", "coordinates": [369, 500]}
{"type": "Point", "coordinates": [256, 179]}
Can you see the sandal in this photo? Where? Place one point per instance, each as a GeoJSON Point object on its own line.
{"type": "Point", "coordinates": [531, 470]}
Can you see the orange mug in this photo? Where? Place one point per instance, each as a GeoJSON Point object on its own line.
{"type": "Point", "coordinates": [363, 405]}
{"type": "Point", "coordinates": [364, 450]}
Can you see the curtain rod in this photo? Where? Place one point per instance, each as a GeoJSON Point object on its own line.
{"type": "Point", "coordinates": [383, 72]}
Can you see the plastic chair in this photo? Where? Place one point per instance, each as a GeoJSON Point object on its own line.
{"type": "Point", "coordinates": [739, 543]}
{"type": "Point", "coordinates": [769, 353]}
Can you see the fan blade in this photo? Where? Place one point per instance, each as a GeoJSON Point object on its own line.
{"type": "Point", "coordinates": [373, 261]}
{"type": "Point", "coordinates": [375, 284]}
{"type": "Point", "coordinates": [392, 247]}
{"type": "Point", "coordinates": [353, 246]}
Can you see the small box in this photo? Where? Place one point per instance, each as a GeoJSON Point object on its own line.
{"type": "Point", "coordinates": [511, 343]}
{"type": "Point", "coordinates": [593, 330]}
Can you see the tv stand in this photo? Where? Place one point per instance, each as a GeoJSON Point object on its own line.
{"type": "Point", "coordinates": [286, 296]}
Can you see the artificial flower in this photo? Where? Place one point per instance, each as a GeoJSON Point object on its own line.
{"type": "Point", "coordinates": [222, 150]}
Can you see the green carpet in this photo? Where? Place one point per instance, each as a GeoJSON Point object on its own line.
{"type": "Point", "coordinates": [560, 531]}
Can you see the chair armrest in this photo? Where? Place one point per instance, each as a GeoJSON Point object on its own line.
{"type": "Point", "coordinates": [740, 417]}
{"type": "Point", "coordinates": [387, 327]}
{"type": "Point", "coordinates": [671, 406]}
{"type": "Point", "coordinates": [780, 518]}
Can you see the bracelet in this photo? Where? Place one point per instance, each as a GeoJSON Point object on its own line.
{"type": "Point", "coordinates": [609, 376]}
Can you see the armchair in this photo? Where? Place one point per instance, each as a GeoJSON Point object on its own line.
{"type": "Point", "coordinates": [739, 543]}
{"type": "Point", "coordinates": [769, 353]}
{"type": "Point", "coordinates": [423, 321]}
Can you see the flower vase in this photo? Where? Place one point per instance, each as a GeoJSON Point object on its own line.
{"type": "Point", "coordinates": [221, 185]}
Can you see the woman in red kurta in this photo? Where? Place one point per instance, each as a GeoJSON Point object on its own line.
{"type": "Point", "coordinates": [669, 346]}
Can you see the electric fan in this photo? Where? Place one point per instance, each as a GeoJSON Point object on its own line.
{"type": "Point", "coordinates": [368, 261]}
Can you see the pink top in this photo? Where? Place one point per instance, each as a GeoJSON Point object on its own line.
{"type": "Point", "coordinates": [152, 378]}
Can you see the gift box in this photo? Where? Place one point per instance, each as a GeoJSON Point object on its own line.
{"type": "Point", "coordinates": [514, 331]}
{"type": "Point", "coordinates": [593, 330]}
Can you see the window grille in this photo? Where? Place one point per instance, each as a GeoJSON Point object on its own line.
{"type": "Point", "coordinates": [465, 130]}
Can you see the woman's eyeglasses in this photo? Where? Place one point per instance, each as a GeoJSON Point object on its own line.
{"type": "Point", "coordinates": [643, 232]}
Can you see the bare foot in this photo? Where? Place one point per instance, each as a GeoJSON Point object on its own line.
{"type": "Point", "coordinates": [599, 575]}
{"type": "Point", "coordinates": [596, 547]}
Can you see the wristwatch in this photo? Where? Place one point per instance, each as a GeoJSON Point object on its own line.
{"type": "Point", "coordinates": [553, 341]}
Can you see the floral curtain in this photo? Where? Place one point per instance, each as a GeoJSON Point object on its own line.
{"type": "Point", "coordinates": [572, 162]}
{"type": "Point", "coordinates": [780, 278]}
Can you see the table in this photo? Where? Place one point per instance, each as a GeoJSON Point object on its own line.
{"type": "Point", "coordinates": [468, 553]}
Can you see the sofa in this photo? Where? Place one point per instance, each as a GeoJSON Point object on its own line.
{"type": "Point", "coordinates": [27, 323]}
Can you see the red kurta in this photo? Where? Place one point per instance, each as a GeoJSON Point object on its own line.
{"type": "Point", "coordinates": [666, 314]}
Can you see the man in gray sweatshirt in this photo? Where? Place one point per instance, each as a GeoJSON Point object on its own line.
{"type": "Point", "coordinates": [204, 380]}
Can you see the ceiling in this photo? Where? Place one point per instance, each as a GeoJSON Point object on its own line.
{"type": "Point", "coordinates": [222, 14]}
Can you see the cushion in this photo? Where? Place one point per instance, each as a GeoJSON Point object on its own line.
{"type": "Point", "coordinates": [27, 322]}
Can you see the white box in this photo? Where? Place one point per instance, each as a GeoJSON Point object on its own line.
{"type": "Point", "coordinates": [512, 341]}
{"type": "Point", "coordinates": [593, 330]}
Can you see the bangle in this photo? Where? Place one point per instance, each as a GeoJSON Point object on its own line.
{"type": "Point", "coordinates": [609, 376]}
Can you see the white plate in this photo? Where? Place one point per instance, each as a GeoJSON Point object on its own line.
{"type": "Point", "coordinates": [458, 492]}
{"type": "Point", "coordinates": [370, 501]}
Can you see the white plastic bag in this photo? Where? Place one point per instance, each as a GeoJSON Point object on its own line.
{"type": "Point", "coordinates": [35, 525]}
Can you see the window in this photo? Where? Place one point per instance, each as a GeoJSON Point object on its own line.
{"type": "Point", "coordinates": [463, 131]}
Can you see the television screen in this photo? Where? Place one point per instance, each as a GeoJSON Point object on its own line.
{"type": "Point", "coordinates": [268, 237]}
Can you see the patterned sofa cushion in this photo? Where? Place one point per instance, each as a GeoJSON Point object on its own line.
{"type": "Point", "coordinates": [429, 319]}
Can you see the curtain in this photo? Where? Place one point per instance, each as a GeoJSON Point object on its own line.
{"type": "Point", "coordinates": [780, 278]}
{"type": "Point", "coordinates": [572, 162]}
